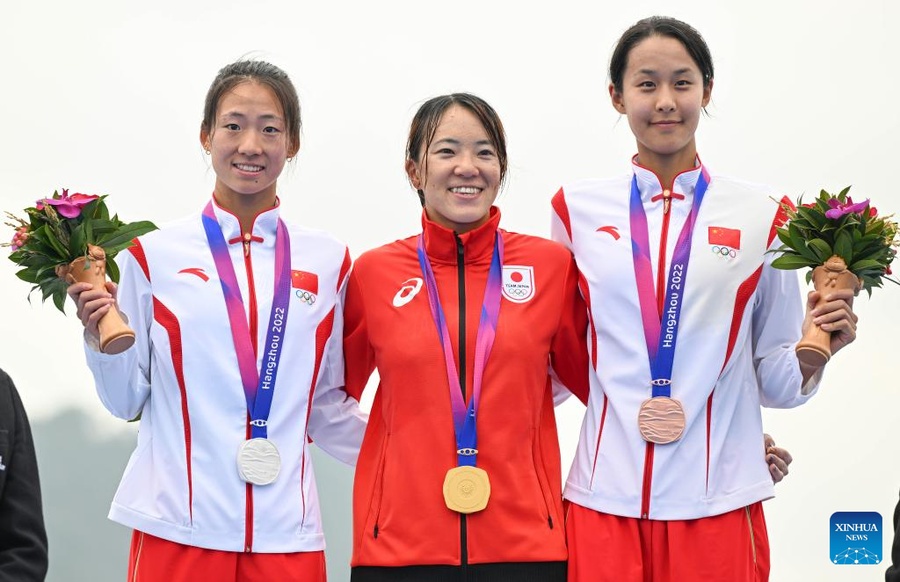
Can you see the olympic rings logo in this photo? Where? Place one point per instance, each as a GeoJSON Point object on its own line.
{"type": "Point", "coordinates": [305, 296]}
{"type": "Point", "coordinates": [724, 251]}
{"type": "Point", "coordinates": [517, 291]}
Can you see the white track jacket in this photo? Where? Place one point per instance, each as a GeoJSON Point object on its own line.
{"type": "Point", "coordinates": [182, 376]}
{"type": "Point", "coordinates": [739, 323]}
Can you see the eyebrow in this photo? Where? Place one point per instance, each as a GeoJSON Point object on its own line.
{"type": "Point", "coordinates": [653, 72]}
{"type": "Point", "coordinates": [244, 116]}
{"type": "Point", "coordinates": [454, 141]}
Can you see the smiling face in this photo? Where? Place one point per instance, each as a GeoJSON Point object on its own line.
{"type": "Point", "coordinates": [459, 172]}
{"type": "Point", "coordinates": [248, 146]}
{"type": "Point", "coordinates": [662, 94]}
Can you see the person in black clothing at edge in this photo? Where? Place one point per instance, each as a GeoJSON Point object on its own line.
{"type": "Point", "coordinates": [893, 572]}
{"type": "Point", "coordinates": [23, 539]}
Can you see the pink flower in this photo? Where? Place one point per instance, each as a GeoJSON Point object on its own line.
{"type": "Point", "coordinates": [68, 206]}
{"type": "Point", "coordinates": [839, 209]}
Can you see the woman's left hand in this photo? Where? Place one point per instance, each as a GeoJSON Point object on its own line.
{"type": "Point", "coordinates": [778, 459]}
{"type": "Point", "coordinates": [835, 315]}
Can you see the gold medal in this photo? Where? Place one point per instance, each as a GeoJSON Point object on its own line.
{"type": "Point", "coordinates": [661, 420]}
{"type": "Point", "coordinates": [466, 489]}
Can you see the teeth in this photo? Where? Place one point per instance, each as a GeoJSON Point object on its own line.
{"type": "Point", "coordinates": [465, 190]}
{"type": "Point", "coordinates": [248, 168]}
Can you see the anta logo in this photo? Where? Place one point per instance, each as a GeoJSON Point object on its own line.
{"type": "Point", "coordinates": [518, 283]}
{"type": "Point", "coordinates": [196, 271]}
{"type": "Point", "coordinates": [612, 231]}
{"type": "Point", "coordinates": [305, 286]}
{"type": "Point", "coordinates": [408, 291]}
{"type": "Point", "coordinates": [724, 242]}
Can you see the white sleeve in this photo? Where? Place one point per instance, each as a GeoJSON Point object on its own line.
{"type": "Point", "coordinates": [123, 380]}
{"type": "Point", "coordinates": [777, 321]}
{"type": "Point", "coordinates": [336, 422]}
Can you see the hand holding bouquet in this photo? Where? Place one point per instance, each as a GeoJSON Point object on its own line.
{"type": "Point", "coordinates": [65, 239]}
{"type": "Point", "coordinates": [844, 244]}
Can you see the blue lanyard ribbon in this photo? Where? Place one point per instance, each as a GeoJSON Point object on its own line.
{"type": "Point", "coordinates": [259, 385]}
{"type": "Point", "coordinates": [661, 336]}
{"type": "Point", "coordinates": [464, 416]}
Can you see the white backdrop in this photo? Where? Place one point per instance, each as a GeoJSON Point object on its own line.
{"type": "Point", "coordinates": [106, 96]}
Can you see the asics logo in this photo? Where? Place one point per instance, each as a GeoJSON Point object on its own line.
{"type": "Point", "coordinates": [408, 291]}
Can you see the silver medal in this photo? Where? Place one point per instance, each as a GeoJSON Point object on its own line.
{"type": "Point", "coordinates": [258, 461]}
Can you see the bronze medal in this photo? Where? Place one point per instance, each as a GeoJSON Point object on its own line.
{"type": "Point", "coordinates": [466, 489]}
{"type": "Point", "coordinates": [661, 420]}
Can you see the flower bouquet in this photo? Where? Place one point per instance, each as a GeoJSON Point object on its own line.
{"type": "Point", "coordinates": [65, 239]}
{"type": "Point", "coordinates": [845, 244]}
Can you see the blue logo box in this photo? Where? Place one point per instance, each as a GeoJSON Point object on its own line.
{"type": "Point", "coordinates": [856, 538]}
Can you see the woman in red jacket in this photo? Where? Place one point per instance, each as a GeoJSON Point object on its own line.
{"type": "Point", "coordinates": [468, 325]}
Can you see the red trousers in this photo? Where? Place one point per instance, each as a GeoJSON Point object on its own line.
{"type": "Point", "coordinates": [732, 547]}
{"type": "Point", "coordinates": [154, 559]}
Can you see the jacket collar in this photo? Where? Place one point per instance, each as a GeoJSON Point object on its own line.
{"type": "Point", "coordinates": [650, 185]}
{"type": "Point", "coordinates": [478, 243]}
{"type": "Point", "coordinates": [264, 224]}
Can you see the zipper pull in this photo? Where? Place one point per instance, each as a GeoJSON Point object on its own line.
{"type": "Point", "coordinates": [247, 237]}
{"type": "Point", "coordinates": [667, 200]}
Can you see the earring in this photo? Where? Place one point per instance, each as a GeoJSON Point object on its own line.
{"type": "Point", "coordinates": [290, 158]}
{"type": "Point", "coordinates": [207, 152]}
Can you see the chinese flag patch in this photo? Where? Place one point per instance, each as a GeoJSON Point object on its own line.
{"type": "Point", "coordinates": [727, 237]}
{"type": "Point", "coordinates": [306, 281]}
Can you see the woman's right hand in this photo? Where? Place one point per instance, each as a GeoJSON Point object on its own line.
{"type": "Point", "coordinates": [92, 304]}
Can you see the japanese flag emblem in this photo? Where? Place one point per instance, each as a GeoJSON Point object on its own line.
{"type": "Point", "coordinates": [518, 283]}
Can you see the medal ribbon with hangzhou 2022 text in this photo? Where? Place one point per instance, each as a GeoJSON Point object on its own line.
{"type": "Point", "coordinates": [258, 460]}
{"type": "Point", "coordinates": [661, 418]}
{"type": "Point", "coordinates": [466, 487]}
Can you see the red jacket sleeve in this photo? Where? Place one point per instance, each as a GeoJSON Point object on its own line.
{"type": "Point", "coordinates": [359, 358]}
{"type": "Point", "coordinates": [569, 353]}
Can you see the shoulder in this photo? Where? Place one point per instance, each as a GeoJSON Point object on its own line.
{"type": "Point", "coordinates": [535, 245]}
{"type": "Point", "coordinates": [314, 239]}
{"type": "Point", "coordinates": [9, 400]}
{"type": "Point", "coordinates": [172, 231]}
{"type": "Point", "coordinates": [383, 256]}
{"type": "Point", "coordinates": [592, 187]}
{"type": "Point", "coordinates": [740, 187]}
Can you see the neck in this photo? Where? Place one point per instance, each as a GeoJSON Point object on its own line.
{"type": "Point", "coordinates": [245, 207]}
{"type": "Point", "coordinates": [667, 167]}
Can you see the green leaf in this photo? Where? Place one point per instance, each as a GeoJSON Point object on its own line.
{"type": "Point", "coordinates": [788, 262]}
{"type": "Point", "coordinates": [125, 235]}
{"type": "Point", "coordinates": [821, 248]}
{"type": "Point", "coordinates": [112, 271]}
{"type": "Point", "coordinates": [843, 246]}
{"type": "Point", "coordinates": [866, 264]}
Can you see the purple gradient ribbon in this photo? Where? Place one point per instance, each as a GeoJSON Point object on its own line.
{"type": "Point", "coordinates": [259, 385]}
{"type": "Point", "coordinates": [660, 345]}
{"type": "Point", "coordinates": [464, 417]}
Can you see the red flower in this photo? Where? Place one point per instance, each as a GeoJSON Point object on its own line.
{"type": "Point", "coordinates": [873, 212]}
{"type": "Point", "coordinates": [68, 206]}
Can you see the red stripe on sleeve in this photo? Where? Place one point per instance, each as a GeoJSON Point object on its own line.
{"type": "Point", "coordinates": [781, 218]}
{"type": "Point", "coordinates": [345, 268]}
{"type": "Point", "coordinates": [137, 251]}
{"type": "Point", "coordinates": [562, 210]}
{"type": "Point", "coordinates": [169, 322]}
